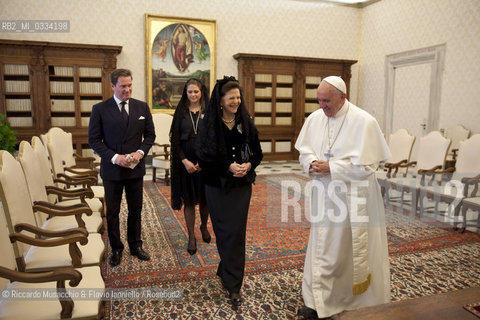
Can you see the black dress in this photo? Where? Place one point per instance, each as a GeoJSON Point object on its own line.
{"type": "Point", "coordinates": [228, 200]}
{"type": "Point", "coordinates": [186, 187]}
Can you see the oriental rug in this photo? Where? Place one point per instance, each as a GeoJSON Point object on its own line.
{"type": "Point", "coordinates": [473, 308]}
{"type": "Point", "coordinates": [425, 258]}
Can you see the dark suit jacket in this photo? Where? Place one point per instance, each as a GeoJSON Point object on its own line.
{"type": "Point", "coordinates": [108, 135]}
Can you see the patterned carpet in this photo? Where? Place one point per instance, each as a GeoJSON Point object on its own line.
{"type": "Point", "coordinates": [425, 259]}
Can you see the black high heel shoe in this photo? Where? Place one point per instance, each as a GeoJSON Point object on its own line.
{"type": "Point", "coordinates": [192, 246]}
{"type": "Point", "coordinates": [236, 299]}
{"type": "Point", "coordinates": [205, 235]}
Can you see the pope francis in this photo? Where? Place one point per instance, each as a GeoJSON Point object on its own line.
{"type": "Point", "coordinates": [346, 265]}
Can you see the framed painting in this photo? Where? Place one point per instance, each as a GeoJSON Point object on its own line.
{"type": "Point", "coordinates": [177, 49]}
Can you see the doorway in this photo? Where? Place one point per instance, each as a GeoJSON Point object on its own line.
{"type": "Point", "coordinates": [413, 90]}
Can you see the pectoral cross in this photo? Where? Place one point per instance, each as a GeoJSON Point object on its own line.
{"type": "Point", "coordinates": [328, 154]}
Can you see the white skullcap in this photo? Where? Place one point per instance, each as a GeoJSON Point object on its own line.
{"type": "Point", "coordinates": [337, 82]}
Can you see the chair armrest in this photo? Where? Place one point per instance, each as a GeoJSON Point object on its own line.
{"type": "Point", "coordinates": [468, 181]}
{"type": "Point", "coordinates": [445, 175]}
{"type": "Point", "coordinates": [59, 276]}
{"type": "Point", "coordinates": [70, 193]}
{"type": "Point", "coordinates": [75, 181]}
{"type": "Point", "coordinates": [54, 209]}
{"type": "Point", "coordinates": [76, 210]}
{"type": "Point", "coordinates": [84, 162]}
{"type": "Point", "coordinates": [70, 240]}
{"type": "Point", "coordinates": [54, 242]}
{"type": "Point", "coordinates": [429, 172]}
{"type": "Point", "coordinates": [408, 164]}
{"type": "Point", "coordinates": [166, 152]}
{"type": "Point", "coordinates": [49, 233]}
{"type": "Point", "coordinates": [161, 145]}
{"type": "Point", "coordinates": [78, 156]}
{"type": "Point", "coordinates": [405, 165]}
{"type": "Point", "coordinates": [88, 173]}
{"type": "Point", "coordinates": [471, 180]}
{"type": "Point", "coordinates": [390, 164]}
{"type": "Point", "coordinates": [77, 177]}
{"type": "Point", "coordinates": [393, 166]}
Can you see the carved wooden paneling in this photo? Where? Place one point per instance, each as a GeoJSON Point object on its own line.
{"type": "Point", "coordinates": [280, 92]}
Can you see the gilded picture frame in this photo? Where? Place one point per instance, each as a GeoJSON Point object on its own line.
{"type": "Point", "coordinates": [177, 49]}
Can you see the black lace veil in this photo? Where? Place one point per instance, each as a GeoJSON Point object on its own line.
{"type": "Point", "coordinates": [211, 145]}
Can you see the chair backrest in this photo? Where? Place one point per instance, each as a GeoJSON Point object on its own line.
{"type": "Point", "coordinates": [456, 134]}
{"type": "Point", "coordinates": [162, 123]}
{"type": "Point", "coordinates": [15, 197]}
{"type": "Point", "coordinates": [60, 149]}
{"type": "Point", "coordinates": [401, 145]}
{"type": "Point", "coordinates": [34, 177]}
{"type": "Point", "coordinates": [432, 151]}
{"type": "Point", "coordinates": [44, 139]}
{"type": "Point", "coordinates": [44, 164]}
{"type": "Point", "coordinates": [468, 164]}
{"type": "Point", "coordinates": [90, 153]}
{"type": "Point", "coordinates": [6, 248]}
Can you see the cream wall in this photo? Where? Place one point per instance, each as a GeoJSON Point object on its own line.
{"type": "Point", "coordinates": [280, 27]}
{"type": "Point", "coordinates": [290, 27]}
{"type": "Point", "coordinates": [392, 26]}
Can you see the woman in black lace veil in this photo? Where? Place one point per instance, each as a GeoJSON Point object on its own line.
{"type": "Point", "coordinates": [187, 177]}
{"type": "Point", "coordinates": [229, 151]}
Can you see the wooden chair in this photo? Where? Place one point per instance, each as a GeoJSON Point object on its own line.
{"type": "Point", "coordinates": [63, 159]}
{"type": "Point", "coordinates": [89, 153]}
{"type": "Point", "coordinates": [453, 185]}
{"type": "Point", "coordinates": [38, 194]}
{"type": "Point", "coordinates": [59, 280]}
{"type": "Point", "coordinates": [161, 147]}
{"type": "Point", "coordinates": [456, 134]}
{"type": "Point", "coordinates": [400, 144]}
{"type": "Point", "coordinates": [47, 249]}
{"type": "Point", "coordinates": [431, 155]}
{"type": "Point", "coordinates": [60, 194]}
{"type": "Point", "coordinates": [472, 203]}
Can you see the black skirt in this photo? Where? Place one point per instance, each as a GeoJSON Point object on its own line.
{"type": "Point", "coordinates": [192, 184]}
{"type": "Point", "coordinates": [229, 212]}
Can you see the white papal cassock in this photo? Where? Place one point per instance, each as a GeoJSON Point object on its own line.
{"type": "Point", "coordinates": [346, 265]}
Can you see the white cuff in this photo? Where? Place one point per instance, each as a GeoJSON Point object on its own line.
{"type": "Point", "coordinates": [114, 158]}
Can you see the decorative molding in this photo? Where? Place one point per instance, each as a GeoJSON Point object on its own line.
{"type": "Point", "coordinates": [435, 56]}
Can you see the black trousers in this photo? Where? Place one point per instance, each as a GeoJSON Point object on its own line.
{"type": "Point", "coordinates": [113, 198]}
{"type": "Point", "coordinates": [229, 213]}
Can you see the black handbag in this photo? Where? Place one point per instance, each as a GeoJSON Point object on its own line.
{"type": "Point", "coordinates": [246, 152]}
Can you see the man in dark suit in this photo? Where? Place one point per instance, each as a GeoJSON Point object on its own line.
{"type": "Point", "coordinates": [121, 131]}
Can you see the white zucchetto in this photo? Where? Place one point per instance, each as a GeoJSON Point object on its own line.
{"type": "Point", "coordinates": [337, 82]}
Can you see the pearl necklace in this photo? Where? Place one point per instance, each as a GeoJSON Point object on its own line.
{"type": "Point", "coordinates": [228, 121]}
